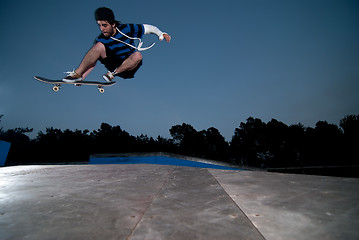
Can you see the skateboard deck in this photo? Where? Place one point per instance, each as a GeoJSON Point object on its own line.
{"type": "Point", "coordinates": [57, 83]}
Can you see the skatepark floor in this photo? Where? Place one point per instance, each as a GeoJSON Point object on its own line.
{"type": "Point", "coordinates": [150, 201]}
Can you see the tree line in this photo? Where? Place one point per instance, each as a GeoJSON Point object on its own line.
{"type": "Point", "coordinates": [254, 143]}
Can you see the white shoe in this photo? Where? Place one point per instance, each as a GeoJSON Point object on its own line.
{"type": "Point", "coordinates": [109, 76]}
{"type": "Point", "coordinates": [72, 77]}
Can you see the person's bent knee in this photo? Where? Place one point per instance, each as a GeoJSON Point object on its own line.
{"type": "Point", "coordinates": [137, 56]}
{"type": "Point", "coordinates": [100, 48]}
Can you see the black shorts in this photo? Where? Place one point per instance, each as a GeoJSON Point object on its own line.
{"type": "Point", "coordinates": [111, 62]}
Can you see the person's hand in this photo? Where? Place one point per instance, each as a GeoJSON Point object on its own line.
{"type": "Point", "coordinates": [167, 37]}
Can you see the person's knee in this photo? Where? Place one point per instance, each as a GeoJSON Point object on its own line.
{"type": "Point", "coordinates": [137, 56]}
{"type": "Point", "coordinates": [100, 49]}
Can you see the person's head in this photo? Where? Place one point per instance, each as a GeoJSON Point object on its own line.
{"type": "Point", "coordinates": [106, 21]}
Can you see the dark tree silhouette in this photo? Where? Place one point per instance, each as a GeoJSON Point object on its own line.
{"type": "Point", "coordinates": [254, 143]}
{"type": "Point", "coordinates": [350, 127]}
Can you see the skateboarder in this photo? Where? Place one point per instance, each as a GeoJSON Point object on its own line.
{"type": "Point", "coordinates": [115, 48]}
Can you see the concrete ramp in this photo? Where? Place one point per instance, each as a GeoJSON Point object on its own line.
{"type": "Point", "coordinates": [145, 201]}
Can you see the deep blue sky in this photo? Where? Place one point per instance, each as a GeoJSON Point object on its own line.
{"type": "Point", "coordinates": [293, 60]}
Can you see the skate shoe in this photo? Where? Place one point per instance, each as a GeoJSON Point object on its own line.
{"type": "Point", "coordinates": [109, 76]}
{"type": "Point", "coordinates": [72, 77]}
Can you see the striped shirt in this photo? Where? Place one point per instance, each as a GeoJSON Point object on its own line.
{"type": "Point", "coordinates": [119, 49]}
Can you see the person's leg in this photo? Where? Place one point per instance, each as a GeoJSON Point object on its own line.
{"type": "Point", "coordinates": [88, 63]}
{"type": "Point", "coordinates": [84, 75]}
{"type": "Point", "coordinates": [130, 63]}
{"type": "Point", "coordinates": [90, 59]}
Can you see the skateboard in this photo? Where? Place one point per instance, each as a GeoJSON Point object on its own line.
{"type": "Point", "coordinates": [57, 83]}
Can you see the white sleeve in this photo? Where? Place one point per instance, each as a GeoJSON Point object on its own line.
{"type": "Point", "coordinates": [153, 29]}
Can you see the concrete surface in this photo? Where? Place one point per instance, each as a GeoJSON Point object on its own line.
{"type": "Point", "coordinates": [147, 201]}
{"type": "Point", "coordinates": [289, 206]}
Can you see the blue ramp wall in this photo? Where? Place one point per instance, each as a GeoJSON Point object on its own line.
{"type": "Point", "coordinates": [4, 150]}
{"type": "Point", "coordinates": [161, 160]}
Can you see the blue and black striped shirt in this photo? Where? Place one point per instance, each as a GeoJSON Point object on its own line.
{"type": "Point", "coordinates": [119, 49]}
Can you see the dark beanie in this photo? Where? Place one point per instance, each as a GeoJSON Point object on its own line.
{"type": "Point", "coordinates": [105, 14]}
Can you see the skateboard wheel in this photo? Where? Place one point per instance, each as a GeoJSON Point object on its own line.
{"type": "Point", "coordinates": [101, 90]}
{"type": "Point", "coordinates": [56, 88]}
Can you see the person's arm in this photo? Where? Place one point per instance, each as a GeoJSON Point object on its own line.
{"type": "Point", "coordinates": [149, 29]}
